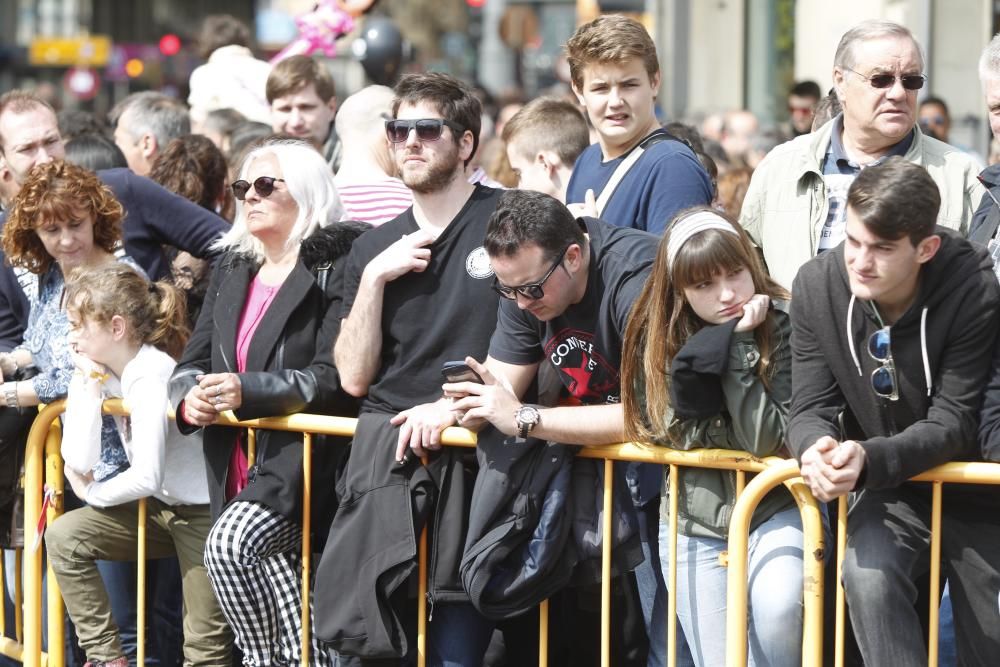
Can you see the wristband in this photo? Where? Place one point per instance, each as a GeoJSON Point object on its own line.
{"type": "Point", "coordinates": [10, 395]}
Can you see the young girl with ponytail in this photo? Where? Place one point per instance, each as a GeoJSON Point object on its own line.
{"type": "Point", "coordinates": [707, 364]}
{"type": "Point", "coordinates": [125, 334]}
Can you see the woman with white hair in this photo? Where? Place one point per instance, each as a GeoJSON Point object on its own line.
{"type": "Point", "coordinates": [261, 348]}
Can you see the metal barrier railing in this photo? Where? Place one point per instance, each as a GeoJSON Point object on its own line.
{"type": "Point", "coordinates": [787, 472]}
{"type": "Point", "coordinates": [42, 453]}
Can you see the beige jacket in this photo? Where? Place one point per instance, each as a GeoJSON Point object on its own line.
{"type": "Point", "coordinates": [786, 202]}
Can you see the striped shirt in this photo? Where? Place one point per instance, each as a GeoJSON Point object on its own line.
{"type": "Point", "coordinates": [375, 202]}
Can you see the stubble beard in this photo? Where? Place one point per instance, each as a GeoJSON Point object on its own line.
{"type": "Point", "coordinates": [438, 176]}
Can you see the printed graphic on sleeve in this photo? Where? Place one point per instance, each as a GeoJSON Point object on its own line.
{"type": "Point", "coordinates": [582, 369]}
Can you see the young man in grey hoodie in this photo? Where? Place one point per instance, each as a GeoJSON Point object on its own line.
{"type": "Point", "coordinates": [892, 334]}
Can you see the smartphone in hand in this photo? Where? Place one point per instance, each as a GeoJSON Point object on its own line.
{"type": "Point", "coordinates": [459, 371]}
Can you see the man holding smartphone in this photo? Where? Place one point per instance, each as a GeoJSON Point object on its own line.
{"type": "Point", "coordinates": [416, 294]}
{"type": "Point", "coordinates": [568, 286]}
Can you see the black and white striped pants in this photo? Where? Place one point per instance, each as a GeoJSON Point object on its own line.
{"type": "Point", "coordinates": [253, 559]}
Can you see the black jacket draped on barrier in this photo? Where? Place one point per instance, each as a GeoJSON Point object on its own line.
{"type": "Point", "coordinates": [360, 603]}
{"type": "Point", "coordinates": [536, 524]}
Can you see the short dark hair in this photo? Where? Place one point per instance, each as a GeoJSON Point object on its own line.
{"type": "Point", "coordinates": [688, 134]}
{"type": "Point", "coordinates": [806, 89]}
{"type": "Point", "coordinates": [895, 199]}
{"type": "Point", "coordinates": [77, 122]}
{"type": "Point", "coordinates": [525, 217]}
{"type": "Point", "coordinates": [455, 101]}
{"type": "Point", "coordinates": [931, 99]}
{"type": "Point", "coordinates": [220, 30]}
{"type": "Point", "coordinates": [295, 73]}
{"type": "Point", "coordinates": [95, 152]}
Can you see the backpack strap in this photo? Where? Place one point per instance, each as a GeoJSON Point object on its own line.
{"type": "Point", "coordinates": [627, 163]}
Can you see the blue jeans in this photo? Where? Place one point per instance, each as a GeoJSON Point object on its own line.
{"type": "Point", "coordinates": [775, 592]}
{"type": "Point", "coordinates": [653, 592]}
{"type": "Point", "coordinates": [457, 636]}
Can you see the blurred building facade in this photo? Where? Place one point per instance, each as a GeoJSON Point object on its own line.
{"type": "Point", "coordinates": [715, 54]}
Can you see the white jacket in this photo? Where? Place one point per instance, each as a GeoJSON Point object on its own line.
{"type": "Point", "coordinates": [163, 463]}
{"type": "Point", "coordinates": [232, 78]}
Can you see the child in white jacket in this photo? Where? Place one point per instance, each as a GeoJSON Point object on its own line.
{"type": "Point", "coordinates": [126, 333]}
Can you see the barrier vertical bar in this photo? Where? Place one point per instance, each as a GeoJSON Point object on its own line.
{"type": "Point", "coordinates": [606, 565]}
{"type": "Point", "coordinates": [672, 569]}
{"type": "Point", "coordinates": [935, 596]}
{"type": "Point", "coordinates": [741, 482]}
{"type": "Point", "coordinates": [739, 538]}
{"type": "Point", "coordinates": [34, 460]}
{"type": "Point", "coordinates": [422, 592]}
{"type": "Point", "coordinates": [19, 596]}
{"type": "Point", "coordinates": [306, 541]}
{"type": "Point", "coordinates": [251, 446]}
{"type": "Point", "coordinates": [55, 609]}
{"type": "Point", "coordinates": [840, 629]}
{"type": "Point", "coordinates": [813, 551]}
{"type": "Point", "coordinates": [543, 633]}
{"type": "Point", "coordinates": [140, 607]}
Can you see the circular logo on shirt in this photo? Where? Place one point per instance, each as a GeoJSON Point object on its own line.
{"type": "Point", "coordinates": [477, 264]}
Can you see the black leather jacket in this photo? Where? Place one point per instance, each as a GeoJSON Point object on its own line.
{"type": "Point", "coordinates": [289, 369]}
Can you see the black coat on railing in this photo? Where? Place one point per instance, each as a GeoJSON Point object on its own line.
{"type": "Point", "coordinates": [289, 370]}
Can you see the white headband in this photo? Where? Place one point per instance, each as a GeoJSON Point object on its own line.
{"type": "Point", "coordinates": [685, 228]}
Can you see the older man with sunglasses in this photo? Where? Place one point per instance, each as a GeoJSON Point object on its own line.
{"type": "Point", "coordinates": [795, 206]}
{"type": "Point", "coordinates": [892, 334]}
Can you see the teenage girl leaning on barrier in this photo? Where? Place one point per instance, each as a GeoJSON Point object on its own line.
{"type": "Point", "coordinates": [717, 374]}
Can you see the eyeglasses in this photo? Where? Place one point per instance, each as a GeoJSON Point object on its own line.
{"type": "Point", "coordinates": [932, 120]}
{"type": "Point", "coordinates": [884, 377]}
{"type": "Point", "coordinates": [531, 291]}
{"type": "Point", "coordinates": [885, 80]}
{"type": "Point", "coordinates": [263, 186]}
{"type": "Point", "coordinates": [428, 129]}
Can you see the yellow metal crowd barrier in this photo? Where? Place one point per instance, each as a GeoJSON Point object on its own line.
{"type": "Point", "coordinates": [43, 465]}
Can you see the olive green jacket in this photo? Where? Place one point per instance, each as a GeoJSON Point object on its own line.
{"type": "Point", "coordinates": [786, 202]}
{"type": "Point", "coordinates": [753, 420]}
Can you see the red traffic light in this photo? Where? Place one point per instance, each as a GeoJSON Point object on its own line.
{"type": "Point", "coordinates": [170, 44]}
{"type": "Point", "coordinates": [475, 3]}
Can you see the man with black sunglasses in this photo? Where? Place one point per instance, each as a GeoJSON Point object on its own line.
{"type": "Point", "coordinates": [795, 206]}
{"type": "Point", "coordinates": [892, 335]}
{"type": "Point", "coordinates": [416, 295]}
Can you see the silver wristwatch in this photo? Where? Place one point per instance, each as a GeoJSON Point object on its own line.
{"type": "Point", "coordinates": [526, 418]}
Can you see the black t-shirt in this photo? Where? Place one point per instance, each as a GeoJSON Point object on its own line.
{"type": "Point", "coordinates": [441, 314]}
{"type": "Point", "coordinates": [584, 343]}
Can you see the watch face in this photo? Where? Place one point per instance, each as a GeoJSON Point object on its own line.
{"type": "Point", "coordinates": [527, 415]}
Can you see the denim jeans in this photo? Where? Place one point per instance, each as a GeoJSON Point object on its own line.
{"type": "Point", "coordinates": [775, 592]}
{"type": "Point", "coordinates": [653, 592]}
{"type": "Point", "coordinates": [888, 545]}
{"type": "Point", "coordinates": [457, 636]}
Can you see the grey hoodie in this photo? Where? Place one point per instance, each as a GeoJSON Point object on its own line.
{"type": "Point", "coordinates": [941, 347]}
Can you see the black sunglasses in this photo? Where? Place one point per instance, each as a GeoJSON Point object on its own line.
{"type": "Point", "coordinates": [531, 291]}
{"type": "Point", "coordinates": [264, 186]}
{"type": "Point", "coordinates": [884, 377]}
{"type": "Point", "coordinates": [428, 129]}
{"type": "Point", "coordinates": [882, 81]}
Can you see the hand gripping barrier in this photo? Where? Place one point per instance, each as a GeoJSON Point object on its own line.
{"type": "Point", "coordinates": [43, 462]}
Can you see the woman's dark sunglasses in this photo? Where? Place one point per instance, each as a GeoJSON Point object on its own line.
{"type": "Point", "coordinates": [263, 186]}
{"type": "Point", "coordinates": [882, 81]}
{"type": "Point", "coordinates": [884, 377]}
{"type": "Point", "coordinates": [531, 291]}
{"type": "Point", "coordinates": [428, 129]}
